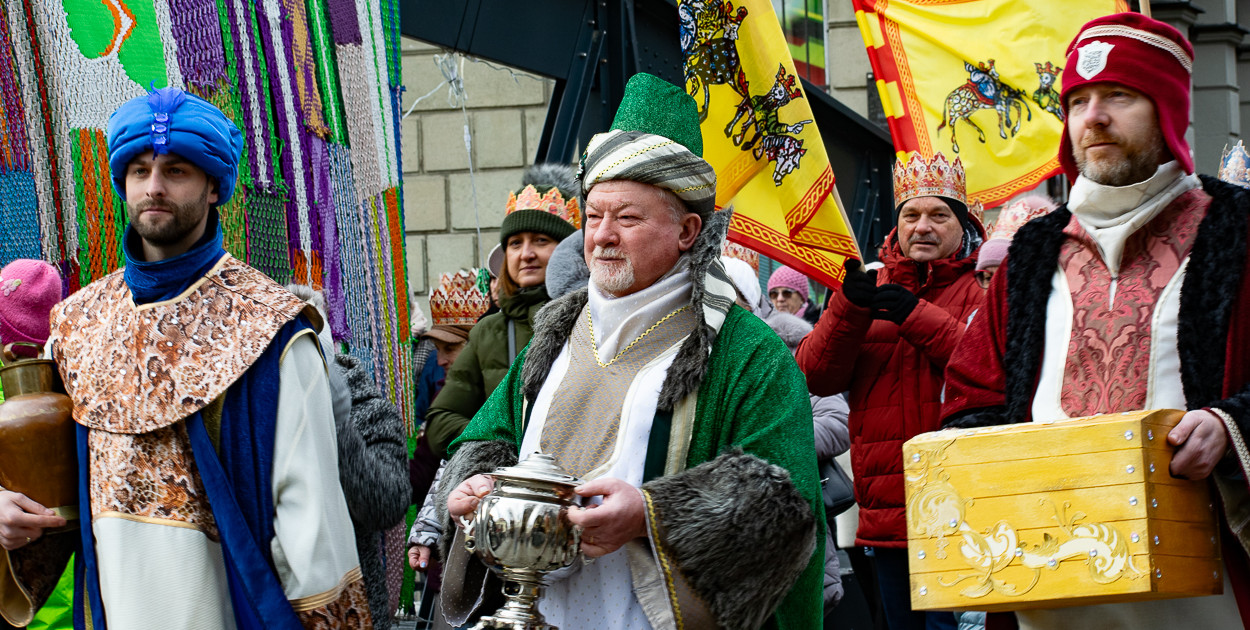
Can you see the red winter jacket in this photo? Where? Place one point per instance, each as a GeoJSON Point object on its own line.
{"type": "Point", "coordinates": [894, 377]}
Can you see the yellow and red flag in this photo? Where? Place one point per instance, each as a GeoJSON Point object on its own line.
{"type": "Point", "coordinates": [759, 135]}
{"type": "Point", "coordinates": [977, 79]}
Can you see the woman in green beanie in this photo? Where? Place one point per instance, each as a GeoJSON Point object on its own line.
{"type": "Point", "coordinates": [538, 216]}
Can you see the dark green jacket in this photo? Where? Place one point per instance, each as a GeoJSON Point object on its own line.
{"type": "Point", "coordinates": [481, 366]}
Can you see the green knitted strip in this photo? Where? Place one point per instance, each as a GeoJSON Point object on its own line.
{"type": "Point", "coordinates": [233, 214]}
{"type": "Point", "coordinates": [327, 70]}
{"type": "Point", "coordinates": [84, 244]}
{"type": "Point", "coordinates": [390, 30]}
{"type": "Point", "coordinates": [267, 234]}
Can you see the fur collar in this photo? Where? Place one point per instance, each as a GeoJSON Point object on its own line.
{"type": "Point", "coordinates": [555, 322]}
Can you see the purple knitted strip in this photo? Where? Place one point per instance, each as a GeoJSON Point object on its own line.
{"type": "Point", "coordinates": [13, 124]}
{"type": "Point", "coordinates": [327, 225]}
{"type": "Point", "coordinates": [197, 29]}
{"type": "Point", "coordinates": [344, 23]}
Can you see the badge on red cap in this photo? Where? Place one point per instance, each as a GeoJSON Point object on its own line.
{"type": "Point", "coordinates": [1092, 58]}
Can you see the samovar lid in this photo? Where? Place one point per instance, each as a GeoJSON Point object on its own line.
{"type": "Point", "coordinates": [538, 467]}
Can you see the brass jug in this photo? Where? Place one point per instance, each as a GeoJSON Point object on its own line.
{"type": "Point", "coordinates": [38, 447]}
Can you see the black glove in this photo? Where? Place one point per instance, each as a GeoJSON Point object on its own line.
{"type": "Point", "coordinates": [893, 303]}
{"type": "Point", "coordinates": [859, 287]}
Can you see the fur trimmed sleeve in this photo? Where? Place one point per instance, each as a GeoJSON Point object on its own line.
{"type": "Point", "coordinates": [975, 392]}
{"type": "Point", "coordinates": [740, 498]}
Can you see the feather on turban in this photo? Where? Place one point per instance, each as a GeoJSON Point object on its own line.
{"type": "Point", "coordinates": [169, 120]}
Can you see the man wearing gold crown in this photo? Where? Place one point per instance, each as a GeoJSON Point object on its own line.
{"type": "Point", "coordinates": [683, 413]}
{"type": "Point", "coordinates": [885, 339]}
{"type": "Point", "coordinates": [1132, 296]}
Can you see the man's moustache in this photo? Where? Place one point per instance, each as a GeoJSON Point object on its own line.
{"type": "Point", "coordinates": [1098, 138]}
{"type": "Point", "coordinates": [608, 252]}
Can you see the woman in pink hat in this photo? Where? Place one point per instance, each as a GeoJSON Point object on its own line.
{"type": "Point", "coordinates": [788, 291]}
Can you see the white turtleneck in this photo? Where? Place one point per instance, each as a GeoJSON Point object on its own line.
{"type": "Point", "coordinates": [1111, 213]}
{"type": "Point", "coordinates": [619, 320]}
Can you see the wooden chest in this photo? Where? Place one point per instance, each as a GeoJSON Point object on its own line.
{"type": "Point", "coordinates": [1045, 515]}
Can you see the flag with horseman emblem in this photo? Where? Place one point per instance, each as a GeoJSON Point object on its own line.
{"type": "Point", "coordinates": [759, 135]}
{"type": "Point", "coordinates": [978, 80]}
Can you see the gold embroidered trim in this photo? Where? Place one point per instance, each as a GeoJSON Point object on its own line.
{"type": "Point", "coordinates": [664, 564]}
{"type": "Point", "coordinates": [595, 344]}
{"type": "Point", "coordinates": [321, 599]}
{"type": "Point", "coordinates": [627, 158]}
{"type": "Point", "coordinates": [1234, 433]}
{"type": "Point", "coordinates": [306, 331]}
{"type": "Point", "coordinates": [147, 519]}
{"type": "Point", "coordinates": [1158, 41]}
{"type": "Point", "coordinates": [690, 188]}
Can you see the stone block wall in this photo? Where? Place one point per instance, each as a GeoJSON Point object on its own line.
{"type": "Point", "coordinates": [505, 112]}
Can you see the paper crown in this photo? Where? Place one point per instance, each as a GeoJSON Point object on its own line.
{"type": "Point", "coordinates": [460, 299]}
{"type": "Point", "coordinates": [551, 201]}
{"type": "Point", "coordinates": [1012, 217]}
{"type": "Point", "coordinates": [743, 253]}
{"type": "Point", "coordinates": [1235, 165]}
{"type": "Point", "coordinates": [917, 177]}
{"type": "Point", "coordinates": [976, 210]}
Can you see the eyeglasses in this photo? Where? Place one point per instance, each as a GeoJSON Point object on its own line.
{"type": "Point", "coordinates": [784, 294]}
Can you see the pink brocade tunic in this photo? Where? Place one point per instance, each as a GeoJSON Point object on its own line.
{"type": "Point", "coordinates": [1108, 362]}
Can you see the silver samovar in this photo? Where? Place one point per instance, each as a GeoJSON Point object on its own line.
{"type": "Point", "coordinates": [521, 530]}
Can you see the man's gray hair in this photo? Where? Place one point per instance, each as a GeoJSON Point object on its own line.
{"type": "Point", "coordinates": [675, 205]}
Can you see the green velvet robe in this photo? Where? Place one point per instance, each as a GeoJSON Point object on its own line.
{"type": "Point", "coordinates": [752, 397]}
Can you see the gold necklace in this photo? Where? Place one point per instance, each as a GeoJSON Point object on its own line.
{"type": "Point", "coordinates": [594, 345]}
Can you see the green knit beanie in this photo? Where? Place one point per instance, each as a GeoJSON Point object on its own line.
{"type": "Point", "coordinates": [534, 221]}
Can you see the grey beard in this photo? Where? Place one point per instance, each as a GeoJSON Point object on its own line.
{"type": "Point", "coordinates": [612, 282]}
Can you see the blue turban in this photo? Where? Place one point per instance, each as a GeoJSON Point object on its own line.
{"type": "Point", "coordinates": [170, 120]}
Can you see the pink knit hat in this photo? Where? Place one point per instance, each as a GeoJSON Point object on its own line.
{"type": "Point", "coordinates": [789, 279]}
{"type": "Point", "coordinates": [28, 291]}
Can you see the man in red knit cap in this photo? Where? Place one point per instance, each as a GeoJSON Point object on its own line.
{"type": "Point", "coordinates": [1134, 295]}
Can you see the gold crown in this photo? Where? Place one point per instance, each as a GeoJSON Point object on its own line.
{"type": "Point", "coordinates": [743, 253]}
{"type": "Point", "coordinates": [460, 299]}
{"type": "Point", "coordinates": [551, 201]}
{"type": "Point", "coordinates": [916, 177]}
{"type": "Point", "coordinates": [1235, 165]}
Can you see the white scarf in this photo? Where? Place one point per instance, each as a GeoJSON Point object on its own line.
{"type": "Point", "coordinates": [619, 320]}
{"type": "Point", "coordinates": [1110, 214]}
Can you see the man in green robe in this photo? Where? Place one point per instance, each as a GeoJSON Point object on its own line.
{"type": "Point", "coordinates": [685, 414]}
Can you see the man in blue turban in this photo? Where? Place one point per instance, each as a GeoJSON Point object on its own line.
{"type": "Point", "coordinates": [209, 485]}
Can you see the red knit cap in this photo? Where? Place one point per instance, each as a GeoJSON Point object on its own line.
{"type": "Point", "coordinates": [1143, 54]}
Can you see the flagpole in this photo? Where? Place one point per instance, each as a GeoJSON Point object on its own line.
{"type": "Point", "coordinates": [1145, 7]}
